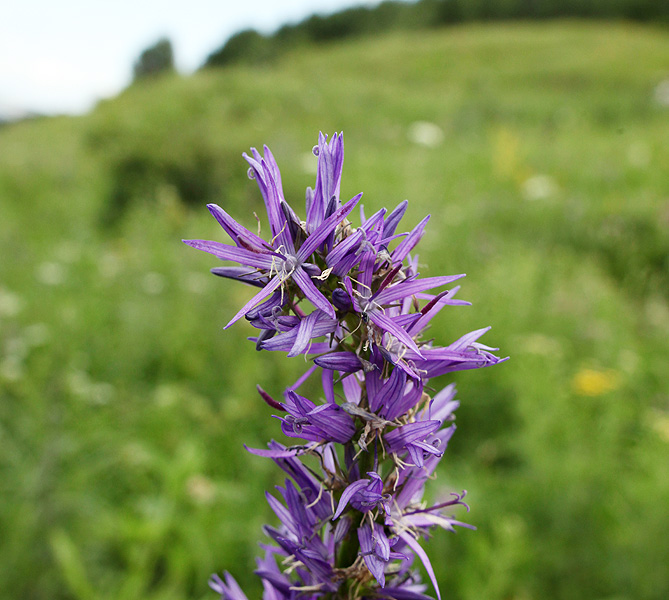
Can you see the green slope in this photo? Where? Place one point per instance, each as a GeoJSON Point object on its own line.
{"type": "Point", "coordinates": [539, 150]}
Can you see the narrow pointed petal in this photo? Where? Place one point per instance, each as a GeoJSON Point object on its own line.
{"type": "Point", "coordinates": [404, 289]}
{"type": "Point", "coordinates": [304, 333]}
{"type": "Point", "coordinates": [387, 324]}
{"type": "Point", "coordinates": [272, 196]}
{"type": "Point", "coordinates": [347, 362]}
{"type": "Point", "coordinates": [327, 380]}
{"type": "Point", "coordinates": [366, 273]}
{"type": "Point", "coordinates": [344, 248]}
{"type": "Point", "coordinates": [392, 388]}
{"type": "Point", "coordinates": [394, 218]}
{"type": "Point", "coordinates": [405, 401]}
{"type": "Point", "coordinates": [382, 543]}
{"type": "Point", "coordinates": [406, 593]}
{"type": "Point", "coordinates": [406, 434]}
{"type": "Point", "coordinates": [328, 177]}
{"type": "Point", "coordinates": [347, 494]}
{"type": "Point", "coordinates": [283, 514]}
{"type": "Point", "coordinates": [432, 308]}
{"type": "Point", "coordinates": [409, 243]}
{"type": "Point", "coordinates": [235, 230]}
{"type": "Point", "coordinates": [246, 275]}
{"type": "Point", "coordinates": [312, 293]}
{"type": "Point", "coordinates": [263, 294]}
{"type": "Point", "coordinates": [352, 390]}
{"type": "Point", "coordinates": [375, 565]}
{"type": "Point", "coordinates": [318, 236]}
{"type": "Point", "coordinates": [229, 589]}
{"type": "Point", "coordinates": [240, 255]}
{"type": "Point", "coordinates": [273, 167]}
{"type": "Point", "coordinates": [415, 455]}
{"type": "Point", "coordinates": [466, 340]}
{"type": "Point", "coordinates": [416, 547]}
{"type": "Point", "coordinates": [335, 423]}
{"type": "Point", "coordinates": [277, 453]}
{"type": "Point", "coordinates": [303, 378]}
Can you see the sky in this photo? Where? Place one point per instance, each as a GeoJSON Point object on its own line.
{"type": "Point", "coordinates": [61, 56]}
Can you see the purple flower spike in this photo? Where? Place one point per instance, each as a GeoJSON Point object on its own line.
{"type": "Point", "coordinates": [350, 296]}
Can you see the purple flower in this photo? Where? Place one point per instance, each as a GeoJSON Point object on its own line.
{"type": "Point", "coordinates": [364, 495]}
{"type": "Point", "coordinates": [413, 438]}
{"type": "Point", "coordinates": [327, 422]}
{"type": "Point", "coordinates": [298, 338]}
{"type": "Point", "coordinates": [371, 305]}
{"type": "Point", "coordinates": [375, 548]}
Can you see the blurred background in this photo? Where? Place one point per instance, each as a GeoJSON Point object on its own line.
{"type": "Point", "coordinates": [535, 133]}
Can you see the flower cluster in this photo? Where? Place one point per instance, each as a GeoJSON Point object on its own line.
{"type": "Point", "coordinates": [352, 301]}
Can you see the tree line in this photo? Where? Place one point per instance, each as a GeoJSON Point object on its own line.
{"type": "Point", "coordinates": [251, 46]}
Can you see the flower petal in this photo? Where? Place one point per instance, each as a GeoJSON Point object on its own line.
{"type": "Point", "coordinates": [387, 324]}
{"type": "Point", "coordinates": [235, 230]}
{"type": "Point", "coordinates": [244, 274]}
{"type": "Point", "coordinates": [347, 494]}
{"type": "Point", "coordinates": [266, 292]}
{"type": "Point", "coordinates": [409, 243]}
{"type": "Point", "coordinates": [319, 235]}
{"type": "Point", "coordinates": [375, 565]}
{"type": "Point", "coordinates": [229, 589]}
{"type": "Point", "coordinates": [312, 293]}
{"type": "Point", "coordinates": [404, 289]}
{"type": "Point", "coordinates": [394, 218]}
{"type": "Point", "coordinates": [347, 362]}
{"type": "Point", "coordinates": [416, 547]}
{"type": "Point", "coordinates": [304, 334]}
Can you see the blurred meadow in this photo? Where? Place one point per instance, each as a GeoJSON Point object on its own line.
{"type": "Point", "coordinates": [541, 152]}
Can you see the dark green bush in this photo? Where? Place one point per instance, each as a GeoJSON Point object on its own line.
{"type": "Point", "coordinates": [245, 46]}
{"type": "Point", "coordinates": [155, 60]}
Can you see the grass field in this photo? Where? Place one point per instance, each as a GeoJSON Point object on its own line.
{"type": "Point", "coordinates": [541, 152]}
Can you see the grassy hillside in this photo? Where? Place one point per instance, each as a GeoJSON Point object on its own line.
{"type": "Point", "coordinates": [539, 150]}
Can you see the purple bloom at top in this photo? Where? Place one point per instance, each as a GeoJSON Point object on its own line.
{"type": "Point", "coordinates": [287, 256]}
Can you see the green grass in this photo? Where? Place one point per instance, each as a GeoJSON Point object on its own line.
{"type": "Point", "coordinates": [124, 406]}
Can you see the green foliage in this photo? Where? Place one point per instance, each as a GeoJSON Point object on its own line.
{"type": "Point", "coordinates": [155, 60]}
{"type": "Point", "coordinates": [249, 46]}
{"type": "Point", "coordinates": [539, 150]}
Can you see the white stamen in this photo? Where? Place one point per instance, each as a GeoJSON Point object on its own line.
{"type": "Point", "coordinates": [324, 275]}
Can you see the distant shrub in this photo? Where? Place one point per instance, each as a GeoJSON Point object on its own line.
{"type": "Point", "coordinates": [155, 60]}
{"type": "Point", "coordinates": [140, 177]}
{"type": "Point", "coordinates": [245, 46]}
{"type": "Point", "coordinates": [164, 154]}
